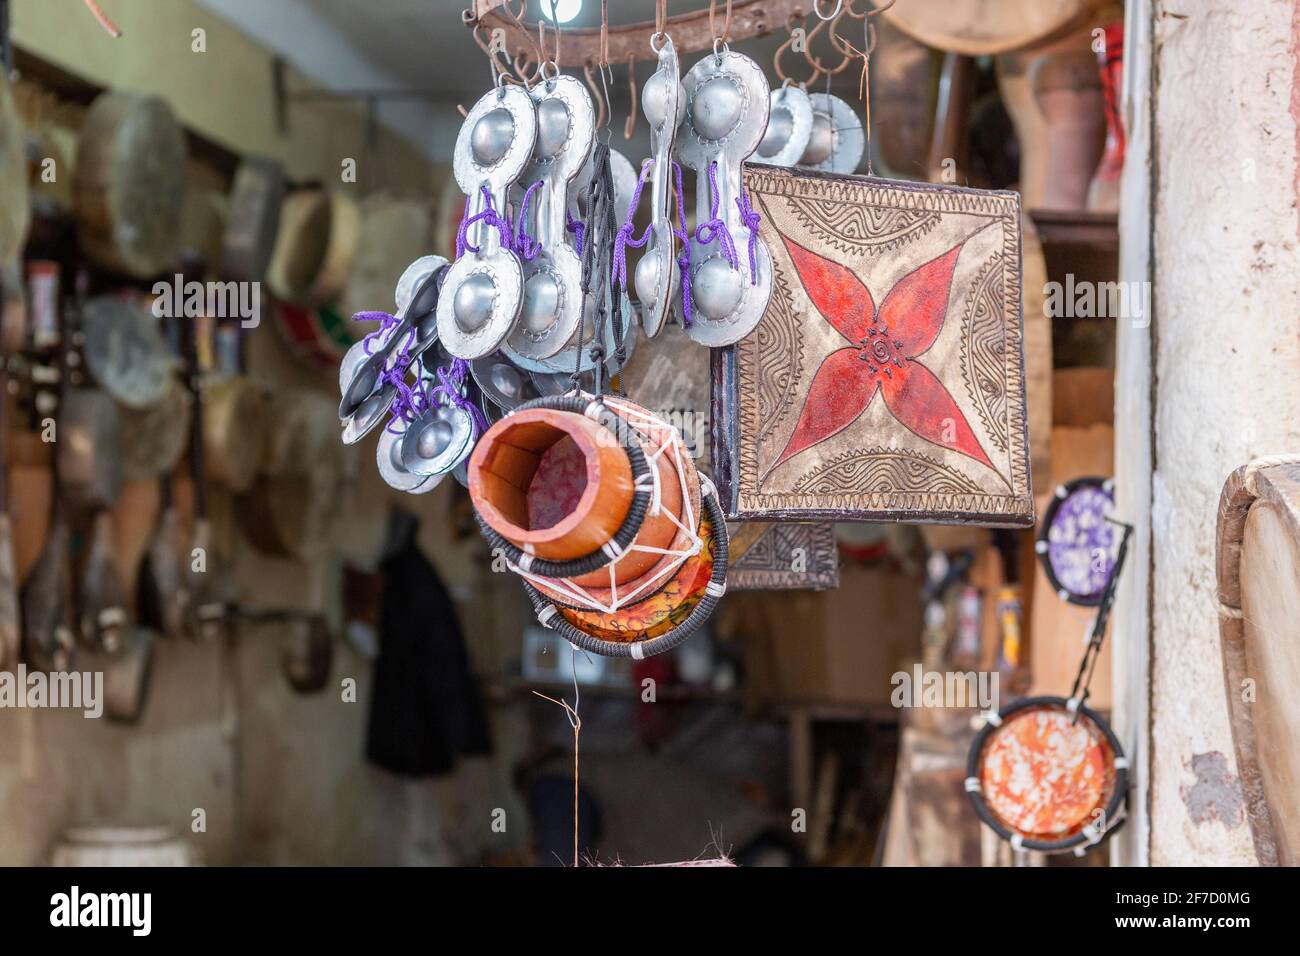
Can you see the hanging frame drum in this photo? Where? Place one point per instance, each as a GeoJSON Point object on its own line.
{"type": "Point", "coordinates": [1048, 774]}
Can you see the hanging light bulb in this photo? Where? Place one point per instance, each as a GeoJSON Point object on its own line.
{"type": "Point", "coordinates": [560, 11]}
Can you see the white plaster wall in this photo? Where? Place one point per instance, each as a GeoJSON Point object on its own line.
{"type": "Point", "coordinates": [1227, 371]}
{"type": "Point", "coordinates": [1131, 626]}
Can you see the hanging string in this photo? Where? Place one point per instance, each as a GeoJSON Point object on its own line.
{"type": "Point", "coordinates": [386, 322]}
{"type": "Point", "coordinates": [869, 40]}
{"type": "Point", "coordinates": [624, 237]}
{"type": "Point", "coordinates": [524, 245]}
{"type": "Point", "coordinates": [448, 392]}
{"type": "Point", "coordinates": [716, 226]}
{"type": "Point", "coordinates": [684, 256]}
{"type": "Point", "coordinates": [571, 712]}
{"type": "Point", "coordinates": [749, 216]}
{"type": "Point", "coordinates": [577, 227]}
{"type": "Point", "coordinates": [725, 35]}
{"type": "Point", "coordinates": [595, 94]}
{"type": "Point", "coordinates": [490, 216]}
{"type": "Point", "coordinates": [604, 34]}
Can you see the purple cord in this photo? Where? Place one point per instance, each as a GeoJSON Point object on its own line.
{"type": "Point", "coordinates": [488, 215]}
{"type": "Point", "coordinates": [448, 390]}
{"type": "Point", "coordinates": [524, 245]}
{"type": "Point", "coordinates": [623, 239]}
{"type": "Point", "coordinates": [684, 257]}
{"type": "Point", "coordinates": [715, 227]}
{"type": "Point", "coordinates": [408, 402]}
{"type": "Point", "coordinates": [577, 227]}
{"type": "Point", "coordinates": [751, 219]}
{"type": "Point", "coordinates": [386, 321]}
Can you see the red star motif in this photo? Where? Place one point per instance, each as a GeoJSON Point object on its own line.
{"type": "Point", "coordinates": [882, 355]}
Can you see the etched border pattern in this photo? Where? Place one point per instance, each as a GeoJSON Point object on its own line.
{"type": "Point", "coordinates": [850, 228]}
{"type": "Point", "coordinates": [959, 505]}
{"type": "Point", "coordinates": [882, 471]}
{"type": "Point", "coordinates": [768, 563]}
{"type": "Point", "coordinates": [982, 359]}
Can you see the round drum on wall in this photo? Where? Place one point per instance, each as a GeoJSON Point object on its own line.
{"type": "Point", "coordinates": [1048, 774]}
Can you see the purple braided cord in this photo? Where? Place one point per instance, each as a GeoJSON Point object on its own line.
{"type": "Point", "coordinates": [623, 239]}
{"type": "Point", "coordinates": [684, 257]}
{"type": "Point", "coordinates": [524, 245]}
{"type": "Point", "coordinates": [448, 390]}
{"type": "Point", "coordinates": [386, 322]}
{"type": "Point", "coordinates": [749, 216]}
{"type": "Point", "coordinates": [409, 402]}
{"type": "Point", "coordinates": [716, 228]}
{"type": "Point", "coordinates": [577, 227]}
{"type": "Point", "coordinates": [488, 215]}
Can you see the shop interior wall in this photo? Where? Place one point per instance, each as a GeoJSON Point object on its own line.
{"type": "Point", "coordinates": [280, 777]}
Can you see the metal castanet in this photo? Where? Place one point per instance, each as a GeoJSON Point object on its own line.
{"type": "Point", "coordinates": [484, 288]}
{"type": "Point", "coordinates": [130, 184]}
{"type": "Point", "coordinates": [1257, 557]}
{"type": "Point", "coordinates": [657, 273]}
{"type": "Point", "coordinates": [552, 308]}
{"type": "Point", "coordinates": [729, 276]}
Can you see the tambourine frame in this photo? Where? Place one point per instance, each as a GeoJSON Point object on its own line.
{"type": "Point", "coordinates": [1044, 542]}
{"type": "Point", "coordinates": [1078, 842]}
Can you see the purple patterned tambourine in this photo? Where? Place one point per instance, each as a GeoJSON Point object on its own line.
{"type": "Point", "coordinates": [1077, 544]}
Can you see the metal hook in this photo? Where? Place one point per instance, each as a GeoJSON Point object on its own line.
{"type": "Point", "coordinates": [595, 93]}
{"type": "Point", "coordinates": [817, 9]}
{"type": "Point", "coordinates": [630, 126]}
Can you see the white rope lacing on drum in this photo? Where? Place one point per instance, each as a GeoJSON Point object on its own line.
{"type": "Point", "coordinates": [650, 427]}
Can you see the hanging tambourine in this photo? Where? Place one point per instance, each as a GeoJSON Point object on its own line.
{"type": "Point", "coordinates": [1048, 774]}
{"type": "Point", "coordinates": [1077, 541]}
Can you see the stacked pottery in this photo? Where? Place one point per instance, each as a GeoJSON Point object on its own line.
{"type": "Point", "coordinates": [596, 503]}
